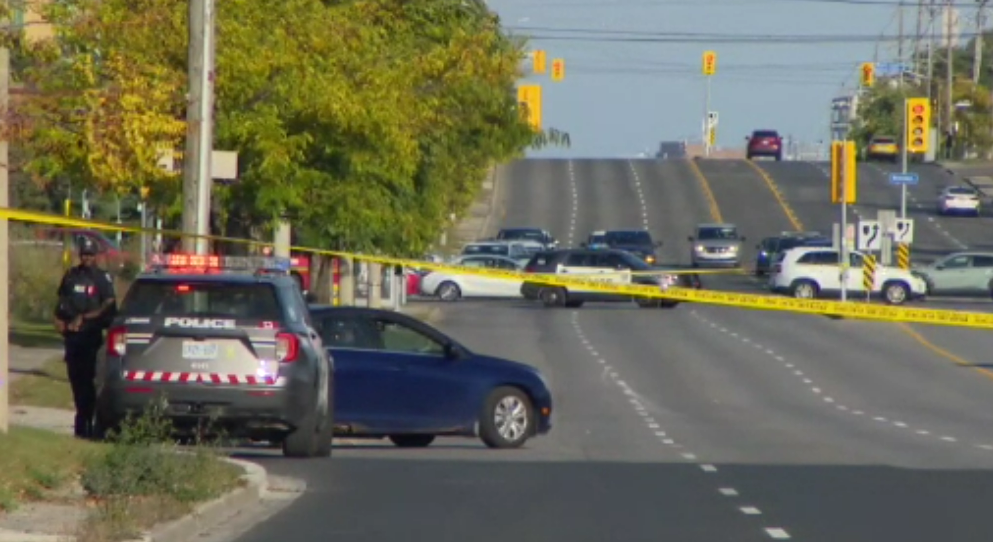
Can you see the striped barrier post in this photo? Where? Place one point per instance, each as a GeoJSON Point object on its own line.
{"type": "Point", "coordinates": [903, 256]}
{"type": "Point", "coordinates": [868, 274]}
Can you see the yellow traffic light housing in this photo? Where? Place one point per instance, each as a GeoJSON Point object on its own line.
{"type": "Point", "coordinates": [709, 63]}
{"type": "Point", "coordinates": [558, 69]}
{"type": "Point", "coordinates": [843, 172]}
{"type": "Point", "coordinates": [918, 115]}
{"type": "Point", "coordinates": [868, 74]}
{"type": "Point", "coordinates": [539, 62]}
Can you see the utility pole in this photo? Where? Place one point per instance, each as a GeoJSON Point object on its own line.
{"type": "Point", "coordinates": [918, 35]}
{"type": "Point", "coordinates": [977, 56]}
{"type": "Point", "coordinates": [949, 74]}
{"type": "Point", "coordinates": [197, 179]}
{"type": "Point", "coordinates": [4, 244]}
{"type": "Point", "coordinates": [899, 44]}
{"type": "Point", "coordinates": [932, 39]}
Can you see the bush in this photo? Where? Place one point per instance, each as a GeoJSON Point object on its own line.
{"type": "Point", "coordinates": [35, 273]}
{"type": "Point", "coordinates": [144, 478]}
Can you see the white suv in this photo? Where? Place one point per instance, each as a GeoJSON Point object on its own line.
{"type": "Point", "coordinates": [811, 272]}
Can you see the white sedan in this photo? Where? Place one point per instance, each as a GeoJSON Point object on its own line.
{"type": "Point", "coordinates": [958, 199]}
{"type": "Point", "coordinates": [449, 286]}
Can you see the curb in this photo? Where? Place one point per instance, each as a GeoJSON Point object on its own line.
{"type": "Point", "coordinates": [202, 518]}
{"type": "Point", "coordinates": [210, 513]}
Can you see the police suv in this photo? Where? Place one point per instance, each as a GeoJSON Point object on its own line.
{"type": "Point", "coordinates": [608, 266]}
{"type": "Point", "coordinates": [228, 343]}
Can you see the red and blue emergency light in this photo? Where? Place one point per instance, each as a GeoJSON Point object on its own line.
{"type": "Point", "coordinates": [213, 263]}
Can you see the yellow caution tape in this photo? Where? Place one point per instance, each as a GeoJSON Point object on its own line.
{"type": "Point", "coordinates": [604, 282]}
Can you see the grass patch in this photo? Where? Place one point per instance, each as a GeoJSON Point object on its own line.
{"type": "Point", "coordinates": [141, 480]}
{"type": "Point", "coordinates": [48, 388]}
{"type": "Point", "coordinates": [35, 462]}
{"type": "Point", "coordinates": [33, 334]}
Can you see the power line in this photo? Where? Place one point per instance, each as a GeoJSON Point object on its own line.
{"type": "Point", "coordinates": [701, 3]}
{"type": "Point", "coordinates": [634, 36]}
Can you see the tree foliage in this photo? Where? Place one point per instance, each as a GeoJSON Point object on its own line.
{"type": "Point", "coordinates": [368, 122]}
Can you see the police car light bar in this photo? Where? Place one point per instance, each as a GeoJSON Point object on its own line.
{"type": "Point", "coordinates": [212, 262]}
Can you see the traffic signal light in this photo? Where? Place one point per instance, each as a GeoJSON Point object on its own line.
{"type": "Point", "coordinates": [868, 74]}
{"type": "Point", "coordinates": [529, 100]}
{"type": "Point", "coordinates": [538, 61]}
{"type": "Point", "coordinates": [558, 69]}
{"type": "Point", "coordinates": [918, 137]}
{"type": "Point", "coordinates": [709, 63]}
{"type": "Point", "coordinates": [843, 171]}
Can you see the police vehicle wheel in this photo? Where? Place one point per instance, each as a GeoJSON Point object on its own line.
{"type": "Point", "coordinates": [412, 441]}
{"type": "Point", "coordinates": [303, 441]}
{"type": "Point", "coordinates": [325, 438]}
{"type": "Point", "coordinates": [896, 293]}
{"type": "Point", "coordinates": [553, 297]}
{"type": "Point", "coordinates": [507, 418]}
{"type": "Point", "coordinates": [449, 291]}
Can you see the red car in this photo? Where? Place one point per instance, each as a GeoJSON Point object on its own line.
{"type": "Point", "coordinates": [765, 143]}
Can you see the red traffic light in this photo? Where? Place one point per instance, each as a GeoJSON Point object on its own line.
{"type": "Point", "coordinates": [918, 109]}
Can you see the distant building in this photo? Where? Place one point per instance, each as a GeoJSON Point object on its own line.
{"type": "Point", "coordinates": [27, 14]}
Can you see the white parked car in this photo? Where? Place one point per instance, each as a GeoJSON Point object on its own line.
{"type": "Point", "coordinates": [812, 272]}
{"type": "Point", "coordinates": [958, 199]}
{"type": "Point", "coordinates": [449, 286]}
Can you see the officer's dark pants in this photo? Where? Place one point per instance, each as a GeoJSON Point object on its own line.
{"type": "Point", "coordinates": [81, 365]}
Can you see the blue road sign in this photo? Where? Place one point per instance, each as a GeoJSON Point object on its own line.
{"type": "Point", "coordinates": [904, 178]}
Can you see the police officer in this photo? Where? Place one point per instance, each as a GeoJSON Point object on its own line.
{"type": "Point", "coordinates": [85, 308]}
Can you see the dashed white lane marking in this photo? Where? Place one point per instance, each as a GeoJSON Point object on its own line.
{"type": "Point", "coordinates": [708, 468]}
{"type": "Point", "coordinates": [641, 194]}
{"type": "Point", "coordinates": [777, 533]}
{"type": "Point", "coordinates": [728, 491]}
{"type": "Point", "coordinates": [750, 510]}
{"type": "Point", "coordinates": [690, 457]}
{"type": "Point", "coordinates": [575, 203]}
{"type": "Point", "coordinates": [827, 399]}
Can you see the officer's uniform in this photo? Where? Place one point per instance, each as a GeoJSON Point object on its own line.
{"type": "Point", "coordinates": [84, 289]}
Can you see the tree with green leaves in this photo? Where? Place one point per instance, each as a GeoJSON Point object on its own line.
{"type": "Point", "coordinates": [367, 122]}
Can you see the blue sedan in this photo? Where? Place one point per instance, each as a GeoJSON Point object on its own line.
{"type": "Point", "coordinates": [399, 378]}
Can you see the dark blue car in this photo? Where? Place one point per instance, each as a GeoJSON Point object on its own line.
{"type": "Point", "coordinates": [399, 378]}
{"type": "Point", "coordinates": [771, 247]}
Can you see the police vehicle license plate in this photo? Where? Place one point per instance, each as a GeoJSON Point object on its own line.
{"type": "Point", "coordinates": [199, 350]}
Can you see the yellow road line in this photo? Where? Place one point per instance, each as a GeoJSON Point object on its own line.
{"type": "Point", "coordinates": [941, 352]}
{"type": "Point", "coordinates": [790, 215]}
{"type": "Point", "coordinates": [957, 360]}
{"type": "Point", "coordinates": [715, 210]}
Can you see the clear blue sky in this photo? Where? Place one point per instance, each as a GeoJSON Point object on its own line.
{"type": "Point", "coordinates": [619, 99]}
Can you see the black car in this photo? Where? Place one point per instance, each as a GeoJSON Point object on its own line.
{"type": "Point", "coordinates": [580, 261]}
{"type": "Point", "coordinates": [637, 242]}
{"type": "Point", "coordinates": [771, 246]}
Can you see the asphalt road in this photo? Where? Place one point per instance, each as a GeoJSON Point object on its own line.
{"type": "Point", "coordinates": [699, 423]}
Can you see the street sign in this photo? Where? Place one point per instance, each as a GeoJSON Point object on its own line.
{"type": "Point", "coordinates": [903, 231]}
{"type": "Point", "coordinates": [870, 235]}
{"type": "Point", "coordinates": [904, 178]}
{"type": "Point", "coordinates": [712, 118]}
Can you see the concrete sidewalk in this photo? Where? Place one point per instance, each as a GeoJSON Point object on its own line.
{"type": "Point", "coordinates": [24, 361]}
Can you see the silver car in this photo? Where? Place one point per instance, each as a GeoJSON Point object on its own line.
{"type": "Point", "coordinates": [962, 274]}
{"type": "Point", "coordinates": [236, 351]}
{"type": "Point", "coordinates": [716, 245]}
